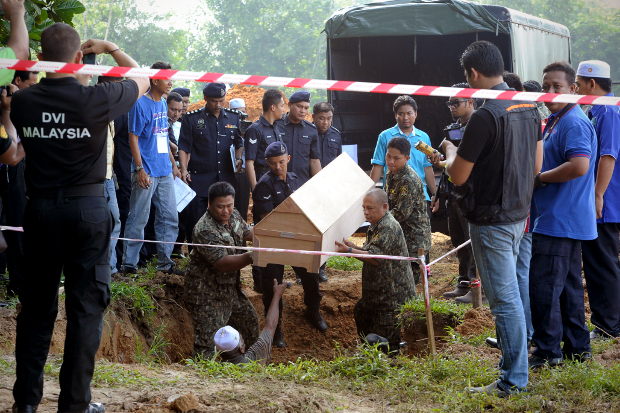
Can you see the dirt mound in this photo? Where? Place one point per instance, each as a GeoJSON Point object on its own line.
{"type": "Point", "coordinates": [415, 332]}
{"type": "Point", "coordinates": [253, 97]}
{"type": "Point", "coordinates": [340, 294]}
{"type": "Point", "coordinates": [476, 321]}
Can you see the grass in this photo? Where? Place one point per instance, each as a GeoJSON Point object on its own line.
{"type": "Point", "coordinates": [156, 352]}
{"type": "Point", "coordinates": [417, 307]}
{"type": "Point", "coordinates": [136, 297]}
{"type": "Point", "coordinates": [344, 263]}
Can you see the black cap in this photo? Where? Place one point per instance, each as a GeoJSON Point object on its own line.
{"type": "Point", "coordinates": [275, 149]}
{"type": "Point", "coordinates": [214, 90]}
{"type": "Point", "coordinates": [300, 96]}
{"type": "Point", "coordinates": [532, 86]}
{"type": "Point", "coordinates": [183, 91]}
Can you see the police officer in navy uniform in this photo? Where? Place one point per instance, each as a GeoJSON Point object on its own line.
{"type": "Point", "coordinates": [204, 149]}
{"type": "Point", "coordinates": [330, 142]}
{"type": "Point", "coordinates": [270, 191]}
{"type": "Point", "coordinates": [301, 138]}
{"type": "Point", "coordinates": [67, 226]}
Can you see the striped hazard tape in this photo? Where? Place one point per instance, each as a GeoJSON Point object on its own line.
{"type": "Point", "coordinates": [273, 81]}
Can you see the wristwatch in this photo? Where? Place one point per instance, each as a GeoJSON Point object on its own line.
{"type": "Point", "coordinates": [350, 250]}
{"type": "Point", "coordinates": [139, 168]}
{"type": "Point", "coordinates": [539, 182]}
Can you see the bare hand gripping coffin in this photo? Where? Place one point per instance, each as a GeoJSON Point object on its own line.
{"type": "Point", "coordinates": [326, 208]}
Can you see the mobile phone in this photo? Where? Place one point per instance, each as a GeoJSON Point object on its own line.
{"type": "Point", "coordinates": [89, 59]}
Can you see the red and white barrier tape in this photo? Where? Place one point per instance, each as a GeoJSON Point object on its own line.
{"type": "Point", "coordinates": [466, 243]}
{"type": "Point", "coordinates": [427, 296]}
{"type": "Point", "coordinates": [331, 254]}
{"type": "Point", "coordinates": [273, 81]}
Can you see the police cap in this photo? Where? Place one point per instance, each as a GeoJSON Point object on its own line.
{"type": "Point", "coordinates": [300, 96]}
{"type": "Point", "coordinates": [214, 90]}
{"type": "Point", "coordinates": [183, 91]}
{"type": "Point", "coordinates": [275, 149]}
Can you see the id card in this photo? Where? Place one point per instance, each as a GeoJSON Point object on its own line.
{"type": "Point", "coordinates": [162, 143]}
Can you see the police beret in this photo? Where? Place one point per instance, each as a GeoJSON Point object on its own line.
{"type": "Point", "coordinates": [275, 149]}
{"type": "Point", "coordinates": [183, 91]}
{"type": "Point", "coordinates": [214, 90]}
{"type": "Point", "coordinates": [300, 96]}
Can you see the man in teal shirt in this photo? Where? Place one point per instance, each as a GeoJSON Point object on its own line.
{"type": "Point", "coordinates": [405, 112]}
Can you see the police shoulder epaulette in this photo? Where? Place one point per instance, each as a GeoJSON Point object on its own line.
{"type": "Point", "coordinates": [235, 111]}
{"type": "Point", "coordinates": [310, 123]}
{"type": "Point", "coordinates": [331, 127]}
{"type": "Point", "coordinates": [193, 111]}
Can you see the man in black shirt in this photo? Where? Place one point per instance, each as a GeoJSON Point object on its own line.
{"type": "Point", "coordinates": [494, 168]}
{"type": "Point", "coordinates": [204, 150]}
{"type": "Point", "coordinates": [64, 128]}
{"type": "Point", "coordinates": [301, 138]}
{"type": "Point", "coordinates": [270, 191]}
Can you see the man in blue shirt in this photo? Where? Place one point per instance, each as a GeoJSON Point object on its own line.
{"type": "Point", "coordinates": [562, 216]}
{"type": "Point", "coordinates": [152, 178]}
{"type": "Point", "coordinates": [405, 112]}
{"type": "Point", "coordinates": [600, 256]}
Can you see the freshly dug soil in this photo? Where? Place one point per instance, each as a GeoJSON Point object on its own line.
{"type": "Point", "coordinates": [475, 321]}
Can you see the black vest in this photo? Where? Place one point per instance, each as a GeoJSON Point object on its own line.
{"type": "Point", "coordinates": [510, 185]}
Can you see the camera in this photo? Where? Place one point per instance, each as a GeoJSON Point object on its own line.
{"type": "Point", "coordinates": [245, 124]}
{"type": "Point", "coordinates": [89, 59]}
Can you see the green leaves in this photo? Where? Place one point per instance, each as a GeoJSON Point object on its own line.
{"type": "Point", "coordinates": [64, 10]}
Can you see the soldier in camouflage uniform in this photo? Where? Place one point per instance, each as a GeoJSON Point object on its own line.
{"type": "Point", "coordinates": [386, 284]}
{"type": "Point", "coordinates": [407, 201]}
{"type": "Point", "coordinates": [213, 293]}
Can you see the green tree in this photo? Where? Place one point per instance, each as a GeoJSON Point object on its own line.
{"type": "Point", "coordinates": [43, 13]}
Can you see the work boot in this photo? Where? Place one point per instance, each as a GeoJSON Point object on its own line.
{"type": "Point", "coordinates": [322, 275]}
{"type": "Point", "coordinates": [461, 289]}
{"type": "Point", "coordinates": [536, 363]}
{"type": "Point", "coordinates": [467, 298]}
{"type": "Point", "coordinates": [278, 338]}
{"type": "Point", "coordinates": [313, 315]}
{"type": "Point", "coordinates": [23, 409]}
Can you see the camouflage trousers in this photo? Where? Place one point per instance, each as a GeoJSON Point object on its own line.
{"type": "Point", "coordinates": [382, 322]}
{"type": "Point", "coordinates": [236, 310]}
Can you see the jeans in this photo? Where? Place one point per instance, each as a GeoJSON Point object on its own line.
{"type": "Point", "coordinates": [602, 271]}
{"type": "Point", "coordinates": [557, 298]}
{"type": "Point", "coordinates": [495, 251]}
{"type": "Point", "coordinates": [161, 193]}
{"type": "Point", "coordinates": [110, 196]}
{"type": "Point", "coordinates": [523, 278]}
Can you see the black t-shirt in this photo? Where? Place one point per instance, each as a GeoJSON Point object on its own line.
{"type": "Point", "coordinates": [479, 138]}
{"type": "Point", "coordinates": [64, 129]}
{"type": "Point", "coordinates": [122, 151]}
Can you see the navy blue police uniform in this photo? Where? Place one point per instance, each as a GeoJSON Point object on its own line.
{"type": "Point", "coordinates": [271, 191]}
{"type": "Point", "coordinates": [331, 145]}
{"type": "Point", "coordinates": [67, 227]}
{"type": "Point", "coordinates": [258, 136]}
{"type": "Point", "coordinates": [208, 139]}
{"type": "Point", "coordinates": [302, 141]}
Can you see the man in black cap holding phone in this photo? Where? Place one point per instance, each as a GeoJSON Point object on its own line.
{"type": "Point", "coordinates": [205, 150]}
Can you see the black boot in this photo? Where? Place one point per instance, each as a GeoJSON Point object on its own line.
{"type": "Point", "coordinates": [24, 409]}
{"type": "Point", "coordinates": [461, 289]}
{"type": "Point", "coordinates": [278, 338]}
{"type": "Point", "coordinates": [322, 275]}
{"type": "Point", "coordinates": [313, 315]}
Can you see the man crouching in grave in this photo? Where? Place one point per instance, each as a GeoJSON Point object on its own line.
{"type": "Point", "coordinates": [386, 284]}
{"type": "Point", "coordinates": [213, 292]}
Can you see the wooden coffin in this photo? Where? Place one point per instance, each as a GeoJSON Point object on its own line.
{"type": "Point", "coordinates": [326, 208]}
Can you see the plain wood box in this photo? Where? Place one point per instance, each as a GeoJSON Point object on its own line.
{"type": "Point", "coordinates": [326, 208]}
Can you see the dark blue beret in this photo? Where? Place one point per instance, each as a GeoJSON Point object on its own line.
{"type": "Point", "coordinates": [300, 96]}
{"type": "Point", "coordinates": [214, 90]}
{"type": "Point", "coordinates": [183, 91]}
{"type": "Point", "coordinates": [275, 149]}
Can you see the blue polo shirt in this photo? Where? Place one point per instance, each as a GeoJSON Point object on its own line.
{"type": "Point", "coordinates": [418, 160]}
{"type": "Point", "coordinates": [148, 120]}
{"type": "Point", "coordinates": [567, 209]}
{"type": "Point", "coordinates": [606, 122]}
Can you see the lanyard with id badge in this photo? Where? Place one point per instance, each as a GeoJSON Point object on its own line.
{"type": "Point", "coordinates": [161, 136]}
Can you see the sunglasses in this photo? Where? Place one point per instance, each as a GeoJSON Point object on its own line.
{"type": "Point", "coordinates": [455, 103]}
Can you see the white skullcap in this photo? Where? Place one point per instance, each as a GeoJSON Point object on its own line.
{"type": "Point", "coordinates": [594, 68]}
{"type": "Point", "coordinates": [226, 339]}
{"type": "Point", "coordinates": [237, 103]}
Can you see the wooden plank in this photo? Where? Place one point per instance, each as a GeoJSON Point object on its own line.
{"type": "Point", "coordinates": [290, 235]}
{"type": "Point", "coordinates": [294, 260]}
{"type": "Point", "coordinates": [287, 222]}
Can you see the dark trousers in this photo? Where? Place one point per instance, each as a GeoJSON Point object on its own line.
{"type": "Point", "coordinates": [242, 196]}
{"type": "Point", "coordinates": [123, 194]}
{"type": "Point", "coordinates": [69, 236]}
{"type": "Point", "coordinates": [309, 280]}
{"type": "Point", "coordinates": [557, 298]}
{"type": "Point", "coordinates": [14, 202]}
{"type": "Point", "coordinates": [384, 323]}
{"type": "Point", "coordinates": [182, 235]}
{"type": "Point", "coordinates": [602, 272]}
{"type": "Point", "coordinates": [195, 210]}
{"type": "Point", "coordinates": [459, 233]}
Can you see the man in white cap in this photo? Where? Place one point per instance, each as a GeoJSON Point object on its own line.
{"type": "Point", "coordinates": [600, 256]}
{"type": "Point", "coordinates": [230, 344]}
{"type": "Point", "coordinates": [237, 104]}
{"type": "Point", "coordinates": [242, 200]}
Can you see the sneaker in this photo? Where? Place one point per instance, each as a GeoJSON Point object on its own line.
{"type": "Point", "coordinates": [492, 389]}
{"type": "Point", "coordinates": [95, 408]}
{"type": "Point", "coordinates": [536, 363]}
